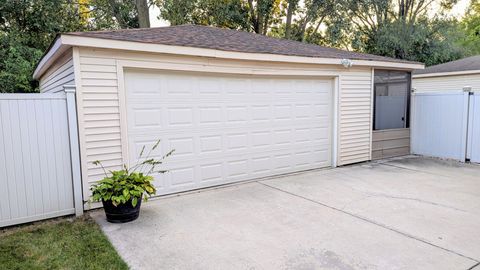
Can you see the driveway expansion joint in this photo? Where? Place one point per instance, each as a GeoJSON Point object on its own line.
{"type": "Point", "coordinates": [474, 266]}
{"type": "Point", "coordinates": [372, 222]}
{"type": "Point", "coordinates": [382, 195]}
{"type": "Point", "coordinates": [414, 170]}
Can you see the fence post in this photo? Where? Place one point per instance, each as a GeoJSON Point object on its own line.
{"type": "Point", "coordinates": [74, 149]}
{"type": "Point", "coordinates": [465, 122]}
{"type": "Point", "coordinates": [470, 115]}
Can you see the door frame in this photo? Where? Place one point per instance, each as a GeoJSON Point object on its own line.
{"type": "Point", "coordinates": [124, 65]}
{"type": "Point", "coordinates": [407, 113]}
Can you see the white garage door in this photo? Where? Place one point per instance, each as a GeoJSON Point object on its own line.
{"type": "Point", "coordinates": [228, 128]}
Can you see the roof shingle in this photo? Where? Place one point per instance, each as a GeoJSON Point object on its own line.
{"type": "Point", "coordinates": [465, 64]}
{"type": "Point", "coordinates": [229, 40]}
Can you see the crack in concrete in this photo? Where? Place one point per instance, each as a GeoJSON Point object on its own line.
{"type": "Point", "coordinates": [416, 170]}
{"type": "Point", "coordinates": [416, 200]}
{"type": "Point", "coordinates": [372, 222]}
{"type": "Point", "coordinates": [369, 195]}
{"type": "Point", "coordinates": [355, 201]}
{"type": "Point", "coordinates": [473, 266]}
{"type": "Point", "coordinates": [372, 194]}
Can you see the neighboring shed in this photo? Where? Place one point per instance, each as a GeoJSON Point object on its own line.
{"type": "Point", "coordinates": [446, 110]}
{"type": "Point", "coordinates": [449, 76]}
{"type": "Point", "coordinates": [235, 105]}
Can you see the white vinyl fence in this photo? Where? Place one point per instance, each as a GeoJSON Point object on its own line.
{"type": "Point", "coordinates": [446, 125]}
{"type": "Point", "coordinates": [473, 138]}
{"type": "Point", "coordinates": [39, 163]}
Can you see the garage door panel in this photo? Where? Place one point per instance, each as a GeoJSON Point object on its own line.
{"type": "Point", "coordinates": [182, 176]}
{"type": "Point", "coordinates": [183, 116]}
{"type": "Point", "coordinates": [207, 143]}
{"type": "Point", "coordinates": [228, 128]}
{"type": "Point", "coordinates": [210, 115]}
{"type": "Point", "coordinates": [218, 145]}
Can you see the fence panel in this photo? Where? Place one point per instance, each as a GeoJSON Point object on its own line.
{"type": "Point", "coordinates": [36, 176]}
{"type": "Point", "coordinates": [473, 150]}
{"type": "Point", "coordinates": [439, 124]}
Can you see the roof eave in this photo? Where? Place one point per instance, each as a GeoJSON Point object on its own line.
{"type": "Point", "coordinates": [441, 74]}
{"type": "Point", "coordinates": [56, 49]}
{"type": "Point", "coordinates": [66, 41]}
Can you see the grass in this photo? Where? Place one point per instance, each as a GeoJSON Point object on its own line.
{"type": "Point", "coordinates": [58, 244]}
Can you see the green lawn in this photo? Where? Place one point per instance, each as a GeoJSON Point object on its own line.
{"type": "Point", "coordinates": [58, 244]}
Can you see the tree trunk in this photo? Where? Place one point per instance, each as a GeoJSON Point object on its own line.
{"type": "Point", "coordinates": [288, 24]}
{"type": "Point", "coordinates": [142, 11]}
{"type": "Point", "coordinates": [253, 16]}
{"type": "Point", "coordinates": [260, 22]}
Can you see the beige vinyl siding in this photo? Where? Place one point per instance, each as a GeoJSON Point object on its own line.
{"type": "Point", "coordinates": [446, 83]}
{"type": "Point", "coordinates": [355, 116]}
{"type": "Point", "coordinates": [99, 104]}
{"type": "Point", "coordinates": [390, 143]}
{"type": "Point", "coordinates": [59, 74]}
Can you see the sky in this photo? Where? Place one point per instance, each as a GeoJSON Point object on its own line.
{"type": "Point", "coordinates": [154, 21]}
{"type": "Point", "coordinates": [457, 11]}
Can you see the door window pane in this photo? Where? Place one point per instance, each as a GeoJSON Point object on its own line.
{"type": "Point", "coordinates": [392, 90]}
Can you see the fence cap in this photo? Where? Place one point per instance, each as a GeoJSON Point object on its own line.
{"type": "Point", "coordinates": [69, 88]}
{"type": "Point", "coordinates": [467, 89]}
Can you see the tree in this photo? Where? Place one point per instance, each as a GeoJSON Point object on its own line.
{"type": "Point", "coordinates": [142, 11]}
{"type": "Point", "coordinates": [316, 13]}
{"type": "Point", "coordinates": [221, 13]}
{"type": "Point", "coordinates": [17, 62]}
{"type": "Point", "coordinates": [26, 30]}
{"type": "Point", "coordinates": [256, 16]}
{"type": "Point", "coordinates": [470, 27]}
{"type": "Point", "coordinates": [262, 13]}
{"type": "Point", "coordinates": [291, 8]}
{"type": "Point", "coordinates": [404, 30]}
{"type": "Point", "coordinates": [111, 14]}
{"type": "Point", "coordinates": [430, 42]}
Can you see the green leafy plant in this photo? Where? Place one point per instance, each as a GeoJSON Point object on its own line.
{"type": "Point", "coordinates": [129, 184]}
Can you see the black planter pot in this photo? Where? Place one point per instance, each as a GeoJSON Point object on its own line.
{"type": "Point", "coordinates": [121, 213]}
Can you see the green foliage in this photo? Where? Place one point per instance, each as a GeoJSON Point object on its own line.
{"type": "Point", "coordinates": [404, 30]}
{"type": "Point", "coordinates": [36, 22]}
{"type": "Point", "coordinates": [17, 62]}
{"type": "Point", "coordinates": [129, 184]}
{"type": "Point", "coordinates": [470, 27]}
{"type": "Point", "coordinates": [430, 42]}
{"type": "Point", "coordinates": [257, 16]}
{"type": "Point", "coordinates": [112, 14]}
{"type": "Point", "coordinates": [225, 13]}
{"type": "Point", "coordinates": [122, 187]}
{"type": "Point", "coordinates": [58, 244]}
{"type": "Point", "coordinates": [27, 28]}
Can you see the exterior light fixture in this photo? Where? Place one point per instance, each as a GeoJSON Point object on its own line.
{"type": "Point", "coordinates": [347, 63]}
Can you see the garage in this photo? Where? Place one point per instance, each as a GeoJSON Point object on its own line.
{"type": "Point", "coordinates": [228, 128]}
{"type": "Point", "coordinates": [234, 105]}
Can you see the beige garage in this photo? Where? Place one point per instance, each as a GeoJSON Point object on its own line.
{"type": "Point", "coordinates": [236, 106]}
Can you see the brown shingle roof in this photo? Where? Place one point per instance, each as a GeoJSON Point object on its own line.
{"type": "Point", "coordinates": [229, 40]}
{"type": "Point", "coordinates": [465, 64]}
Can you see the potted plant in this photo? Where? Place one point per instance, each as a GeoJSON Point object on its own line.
{"type": "Point", "coordinates": [121, 192]}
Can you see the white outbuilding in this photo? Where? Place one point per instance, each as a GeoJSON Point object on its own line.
{"type": "Point", "coordinates": [234, 105]}
{"type": "Point", "coordinates": [455, 75]}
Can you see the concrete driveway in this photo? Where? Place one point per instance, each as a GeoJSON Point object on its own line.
{"type": "Point", "coordinates": [408, 213]}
